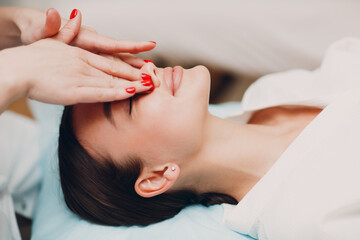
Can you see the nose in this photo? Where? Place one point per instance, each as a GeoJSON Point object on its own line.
{"type": "Point", "coordinates": [149, 68]}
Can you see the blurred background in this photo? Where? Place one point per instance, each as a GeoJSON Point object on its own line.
{"type": "Point", "coordinates": [238, 40]}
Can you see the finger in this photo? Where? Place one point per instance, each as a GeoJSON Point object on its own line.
{"type": "Point", "coordinates": [96, 43]}
{"type": "Point", "coordinates": [91, 94]}
{"type": "Point", "coordinates": [113, 66]}
{"type": "Point", "coordinates": [71, 29]}
{"type": "Point", "coordinates": [131, 59]}
{"type": "Point", "coordinates": [52, 24]}
{"type": "Point", "coordinates": [97, 78]}
{"type": "Point", "coordinates": [118, 83]}
{"type": "Point", "coordinates": [150, 69]}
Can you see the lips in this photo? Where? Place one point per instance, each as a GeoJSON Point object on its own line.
{"type": "Point", "coordinates": [177, 75]}
{"type": "Point", "coordinates": [168, 76]}
{"type": "Point", "coordinates": [173, 77]}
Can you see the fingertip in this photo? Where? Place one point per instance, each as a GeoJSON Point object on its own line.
{"type": "Point", "coordinates": [53, 22]}
{"type": "Point", "coordinates": [153, 44]}
{"type": "Point", "coordinates": [48, 11]}
{"type": "Point", "coordinates": [148, 45]}
{"type": "Point", "coordinates": [70, 30]}
{"type": "Point", "coordinates": [127, 94]}
{"type": "Point", "coordinates": [138, 64]}
{"type": "Point", "coordinates": [74, 13]}
{"type": "Point", "coordinates": [130, 90]}
{"type": "Point", "coordinates": [52, 12]}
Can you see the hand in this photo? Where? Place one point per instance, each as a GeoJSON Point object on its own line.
{"type": "Point", "coordinates": [32, 28]}
{"type": "Point", "coordinates": [53, 72]}
{"type": "Point", "coordinates": [60, 74]}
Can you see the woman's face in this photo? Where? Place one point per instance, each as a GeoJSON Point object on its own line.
{"type": "Point", "coordinates": [161, 127]}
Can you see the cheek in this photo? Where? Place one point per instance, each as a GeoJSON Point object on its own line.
{"type": "Point", "coordinates": [169, 143]}
{"type": "Point", "coordinates": [171, 128]}
{"type": "Point", "coordinates": [171, 134]}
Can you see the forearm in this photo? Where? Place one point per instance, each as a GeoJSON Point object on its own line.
{"type": "Point", "coordinates": [11, 85]}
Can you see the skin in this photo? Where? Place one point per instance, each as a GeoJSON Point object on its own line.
{"type": "Point", "coordinates": [63, 66]}
{"type": "Point", "coordinates": [206, 153]}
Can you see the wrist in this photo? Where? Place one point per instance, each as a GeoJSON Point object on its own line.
{"type": "Point", "coordinates": [12, 85]}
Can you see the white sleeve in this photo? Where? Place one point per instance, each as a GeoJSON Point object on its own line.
{"type": "Point", "coordinates": [8, 225]}
{"type": "Point", "coordinates": [19, 154]}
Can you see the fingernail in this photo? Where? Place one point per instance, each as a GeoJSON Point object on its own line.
{"type": "Point", "coordinates": [145, 76]}
{"type": "Point", "coordinates": [152, 88]}
{"type": "Point", "coordinates": [152, 42]}
{"type": "Point", "coordinates": [146, 83]}
{"type": "Point", "coordinates": [147, 61]}
{"type": "Point", "coordinates": [73, 13]}
{"type": "Point", "coordinates": [130, 90]}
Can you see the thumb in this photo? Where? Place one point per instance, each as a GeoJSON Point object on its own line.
{"type": "Point", "coordinates": [52, 24]}
{"type": "Point", "coordinates": [71, 28]}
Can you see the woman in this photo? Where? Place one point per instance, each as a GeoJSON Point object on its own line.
{"type": "Point", "coordinates": [142, 160]}
{"type": "Point", "coordinates": [48, 69]}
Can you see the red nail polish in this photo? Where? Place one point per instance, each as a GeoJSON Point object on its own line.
{"type": "Point", "coordinates": [73, 13]}
{"type": "Point", "coordinates": [146, 83]}
{"type": "Point", "coordinates": [147, 61]}
{"type": "Point", "coordinates": [130, 90]}
{"type": "Point", "coordinates": [152, 88]}
{"type": "Point", "coordinates": [145, 76]}
{"type": "Point", "coordinates": [152, 42]}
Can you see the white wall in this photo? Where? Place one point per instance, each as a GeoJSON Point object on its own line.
{"type": "Point", "coordinates": [245, 36]}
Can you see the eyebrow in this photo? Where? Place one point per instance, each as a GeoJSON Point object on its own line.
{"type": "Point", "coordinates": [108, 112]}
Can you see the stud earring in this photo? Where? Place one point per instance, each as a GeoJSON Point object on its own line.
{"type": "Point", "coordinates": [173, 168]}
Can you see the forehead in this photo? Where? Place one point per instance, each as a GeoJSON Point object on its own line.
{"type": "Point", "coordinates": [92, 128]}
{"type": "Point", "coordinates": [87, 115]}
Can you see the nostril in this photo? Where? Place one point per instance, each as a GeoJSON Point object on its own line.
{"type": "Point", "coordinates": [156, 79]}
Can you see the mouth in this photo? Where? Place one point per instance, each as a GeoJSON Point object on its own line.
{"type": "Point", "coordinates": [177, 78]}
{"type": "Point", "coordinates": [173, 77]}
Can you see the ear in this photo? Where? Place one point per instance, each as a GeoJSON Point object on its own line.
{"type": "Point", "coordinates": [152, 182]}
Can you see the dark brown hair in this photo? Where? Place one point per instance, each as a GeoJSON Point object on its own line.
{"type": "Point", "coordinates": [103, 192]}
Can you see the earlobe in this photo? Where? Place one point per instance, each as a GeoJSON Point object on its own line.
{"type": "Point", "coordinates": [156, 181]}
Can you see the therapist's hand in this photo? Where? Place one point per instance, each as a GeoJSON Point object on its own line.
{"type": "Point", "coordinates": [35, 25]}
{"type": "Point", "coordinates": [54, 72]}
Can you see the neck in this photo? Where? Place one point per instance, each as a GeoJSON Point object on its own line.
{"type": "Point", "coordinates": [233, 157]}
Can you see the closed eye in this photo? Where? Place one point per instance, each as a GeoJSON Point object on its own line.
{"type": "Point", "coordinates": [130, 105]}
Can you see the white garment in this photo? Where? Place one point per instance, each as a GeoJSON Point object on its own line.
{"type": "Point", "coordinates": [19, 172]}
{"type": "Point", "coordinates": [312, 191]}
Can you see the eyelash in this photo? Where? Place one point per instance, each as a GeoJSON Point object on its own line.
{"type": "Point", "coordinates": [130, 105]}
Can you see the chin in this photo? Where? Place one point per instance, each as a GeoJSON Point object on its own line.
{"type": "Point", "coordinates": [196, 91]}
{"type": "Point", "coordinates": [196, 81]}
